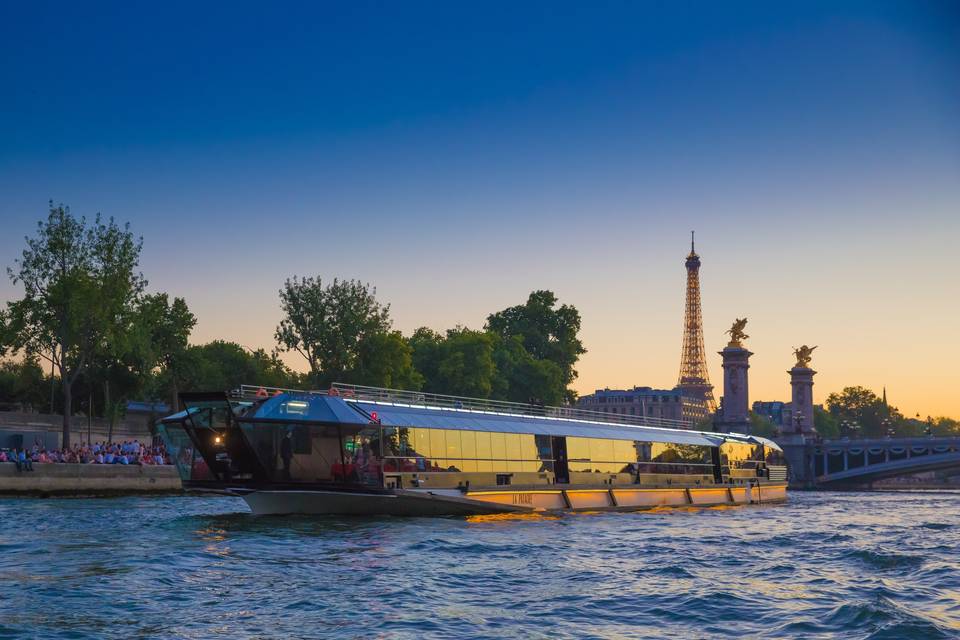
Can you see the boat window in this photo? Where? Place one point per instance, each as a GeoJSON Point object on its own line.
{"type": "Point", "coordinates": [295, 453]}
{"type": "Point", "coordinates": [774, 457]}
{"type": "Point", "coordinates": [437, 450]}
{"type": "Point", "coordinates": [740, 455]}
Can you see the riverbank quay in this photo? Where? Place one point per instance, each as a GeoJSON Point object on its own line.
{"type": "Point", "coordinates": [88, 480]}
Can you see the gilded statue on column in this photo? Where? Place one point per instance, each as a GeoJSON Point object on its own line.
{"type": "Point", "coordinates": [803, 356]}
{"type": "Point", "coordinates": [737, 335]}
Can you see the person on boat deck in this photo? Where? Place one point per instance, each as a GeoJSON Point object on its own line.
{"type": "Point", "coordinates": [286, 453]}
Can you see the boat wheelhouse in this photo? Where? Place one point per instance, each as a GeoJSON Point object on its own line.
{"type": "Point", "coordinates": [365, 450]}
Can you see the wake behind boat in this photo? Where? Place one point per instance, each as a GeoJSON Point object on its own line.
{"type": "Point", "coordinates": [365, 450]}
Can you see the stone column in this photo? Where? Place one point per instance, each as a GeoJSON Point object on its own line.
{"type": "Point", "coordinates": [736, 392]}
{"type": "Point", "coordinates": [801, 379]}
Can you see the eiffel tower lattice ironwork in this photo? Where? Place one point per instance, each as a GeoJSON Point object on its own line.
{"type": "Point", "coordinates": [694, 379]}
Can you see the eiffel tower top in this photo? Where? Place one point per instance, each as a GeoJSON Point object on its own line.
{"type": "Point", "coordinates": [693, 260]}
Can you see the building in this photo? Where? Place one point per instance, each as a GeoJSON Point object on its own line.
{"type": "Point", "coordinates": [779, 413]}
{"type": "Point", "coordinates": [646, 401]}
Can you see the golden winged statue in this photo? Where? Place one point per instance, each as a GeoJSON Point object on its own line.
{"type": "Point", "coordinates": [803, 356]}
{"type": "Point", "coordinates": [737, 336]}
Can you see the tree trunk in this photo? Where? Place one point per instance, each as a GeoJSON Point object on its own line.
{"type": "Point", "coordinates": [174, 398]}
{"type": "Point", "coordinates": [67, 409]}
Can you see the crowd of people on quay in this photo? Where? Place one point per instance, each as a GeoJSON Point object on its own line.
{"type": "Point", "coordinates": [127, 452]}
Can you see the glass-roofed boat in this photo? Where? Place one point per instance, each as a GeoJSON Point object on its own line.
{"type": "Point", "coordinates": [365, 450]}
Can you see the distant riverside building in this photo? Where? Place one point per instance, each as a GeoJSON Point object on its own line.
{"type": "Point", "coordinates": [646, 401]}
{"type": "Point", "coordinates": [779, 413]}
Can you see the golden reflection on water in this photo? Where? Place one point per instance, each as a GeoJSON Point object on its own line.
{"type": "Point", "coordinates": [512, 517]}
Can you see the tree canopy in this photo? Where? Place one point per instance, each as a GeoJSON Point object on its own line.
{"type": "Point", "coordinates": [327, 324]}
{"type": "Point", "coordinates": [547, 332]}
{"type": "Point", "coordinates": [80, 284]}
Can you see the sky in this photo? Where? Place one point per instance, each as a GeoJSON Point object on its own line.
{"type": "Point", "coordinates": [459, 155]}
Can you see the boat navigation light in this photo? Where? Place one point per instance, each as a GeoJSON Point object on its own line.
{"type": "Point", "coordinates": [217, 439]}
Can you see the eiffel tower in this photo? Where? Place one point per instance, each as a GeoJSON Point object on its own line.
{"type": "Point", "coordinates": [694, 379]}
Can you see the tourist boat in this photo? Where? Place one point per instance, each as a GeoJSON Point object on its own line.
{"type": "Point", "coordinates": [365, 450]}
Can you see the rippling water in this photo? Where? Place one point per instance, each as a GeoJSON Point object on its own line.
{"type": "Point", "coordinates": [850, 565]}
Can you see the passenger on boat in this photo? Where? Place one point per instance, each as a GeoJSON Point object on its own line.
{"type": "Point", "coordinates": [286, 454]}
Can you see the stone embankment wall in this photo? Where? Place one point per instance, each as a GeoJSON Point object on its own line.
{"type": "Point", "coordinates": [45, 429]}
{"type": "Point", "coordinates": [88, 479]}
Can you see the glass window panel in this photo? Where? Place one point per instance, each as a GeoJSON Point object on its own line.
{"type": "Point", "coordinates": [467, 466]}
{"type": "Point", "coordinates": [468, 444]}
{"type": "Point", "coordinates": [438, 444]}
{"type": "Point", "coordinates": [624, 451]}
{"type": "Point", "coordinates": [453, 444]}
{"type": "Point", "coordinates": [578, 449]}
{"type": "Point", "coordinates": [575, 465]}
{"type": "Point", "coordinates": [446, 464]}
{"type": "Point", "coordinates": [531, 466]}
{"type": "Point", "coordinates": [498, 446]}
{"type": "Point", "coordinates": [544, 451]}
{"type": "Point", "coordinates": [483, 445]}
{"type": "Point", "coordinates": [513, 446]}
{"type": "Point", "coordinates": [514, 466]}
{"type": "Point", "coordinates": [421, 442]}
{"type": "Point", "coordinates": [484, 466]}
{"type": "Point", "coordinates": [644, 451]}
{"type": "Point", "coordinates": [601, 450]}
{"type": "Point", "coordinates": [404, 441]}
{"type": "Point", "coordinates": [528, 447]}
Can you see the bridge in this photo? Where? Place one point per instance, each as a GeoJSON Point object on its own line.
{"type": "Point", "coordinates": [836, 464]}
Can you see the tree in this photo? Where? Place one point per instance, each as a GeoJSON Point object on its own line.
{"type": "Point", "coordinates": [860, 412]}
{"type": "Point", "coordinates": [22, 384]}
{"type": "Point", "coordinates": [762, 426]}
{"type": "Point", "coordinates": [386, 360]}
{"type": "Point", "coordinates": [222, 365]}
{"type": "Point", "coordinates": [466, 366]}
{"type": "Point", "coordinates": [460, 363]}
{"type": "Point", "coordinates": [522, 378]}
{"type": "Point", "coordinates": [825, 423]}
{"type": "Point", "coordinates": [161, 330]}
{"type": "Point", "coordinates": [426, 346]}
{"type": "Point", "coordinates": [326, 324]}
{"type": "Point", "coordinates": [548, 333]}
{"type": "Point", "coordinates": [79, 284]}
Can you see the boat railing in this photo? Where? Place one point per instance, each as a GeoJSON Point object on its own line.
{"type": "Point", "coordinates": [461, 403]}
{"type": "Point", "coordinates": [464, 403]}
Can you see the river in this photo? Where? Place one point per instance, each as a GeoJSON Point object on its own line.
{"type": "Point", "coordinates": [827, 565]}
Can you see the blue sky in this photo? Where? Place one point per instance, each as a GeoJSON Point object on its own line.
{"type": "Point", "coordinates": [460, 155]}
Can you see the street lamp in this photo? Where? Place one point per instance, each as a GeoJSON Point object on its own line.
{"type": "Point", "coordinates": [887, 426]}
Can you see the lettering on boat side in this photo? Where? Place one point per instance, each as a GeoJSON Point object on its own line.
{"type": "Point", "coordinates": [522, 498]}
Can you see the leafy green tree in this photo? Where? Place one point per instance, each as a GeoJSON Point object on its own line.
{"type": "Point", "coordinates": [460, 363]}
{"type": "Point", "coordinates": [22, 383]}
{"type": "Point", "coordinates": [327, 324]}
{"type": "Point", "coordinates": [466, 367]}
{"type": "Point", "coordinates": [427, 347]}
{"type": "Point", "coordinates": [222, 366]}
{"type": "Point", "coordinates": [762, 426]}
{"type": "Point", "coordinates": [79, 283]}
{"type": "Point", "coordinates": [944, 426]}
{"type": "Point", "coordinates": [386, 360]}
{"type": "Point", "coordinates": [522, 378]}
{"type": "Point", "coordinates": [860, 412]}
{"type": "Point", "coordinates": [548, 332]}
{"type": "Point", "coordinates": [160, 334]}
{"type": "Point", "coordinates": [825, 423]}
